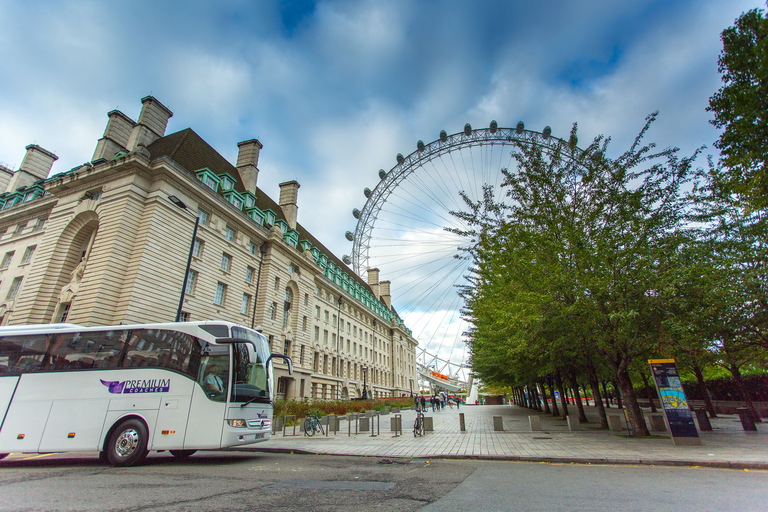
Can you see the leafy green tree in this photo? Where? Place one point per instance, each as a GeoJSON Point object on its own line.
{"type": "Point", "coordinates": [741, 105]}
{"type": "Point", "coordinates": [584, 246]}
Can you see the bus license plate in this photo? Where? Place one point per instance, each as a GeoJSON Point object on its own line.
{"type": "Point", "coordinates": [260, 436]}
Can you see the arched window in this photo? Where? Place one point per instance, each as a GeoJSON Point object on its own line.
{"type": "Point", "coordinates": [287, 306]}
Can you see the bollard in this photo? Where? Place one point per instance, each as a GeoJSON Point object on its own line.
{"type": "Point", "coordinates": [395, 409]}
{"type": "Point", "coordinates": [747, 423]}
{"type": "Point", "coordinates": [498, 424]}
{"type": "Point", "coordinates": [703, 419]}
{"type": "Point", "coordinates": [365, 423]}
{"type": "Point", "coordinates": [428, 424]}
{"type": "Point", "coordinates": [333, 424]}
{"type": "Point", "coordinates": [376, 419]}
{"type": "Point", "coordinates": [574, 424]}
{"type": "Point", "coordinates": [277, 425]}
{"type": "Point", "coordinates": [352, 417]}
{"type": "Point", "coordinates": [396, 425]}
{"type": "Point", "coordinates": [461, 422]}
{"type": "Point", "coordinates": [534, 422]}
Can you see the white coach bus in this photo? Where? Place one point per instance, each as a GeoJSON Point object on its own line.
{"type": "Point", "coordinates": [124, 390]}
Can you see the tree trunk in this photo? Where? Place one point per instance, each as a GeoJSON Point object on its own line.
{"type": "Point", "coordinates": [651, 392]}
{"type": "Point", "coordinates": [536, 396]}
{"type": "Point", "coordinates": [605, 395]}
{"type": "Point", "coordinates": [576, 397]}
{"type": "Point", "coordinates": [740, 381]}
{"type": "Point", "coordinates": [586, 396]}
{"type": "Point", "coordinates": [595, 385]}
{"type": "Point", "coordinates": [544, 397]}
{"type": "Point", "coordinates": [555, 411]}
{"type": "Point", "coordinates": [704, 391]}
{"type": "Point", "coordinates": [563, 399]}
{"type": "Point", "coordinates": [635, 414]}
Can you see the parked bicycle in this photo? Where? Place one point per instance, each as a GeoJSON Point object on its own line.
{"type": "Point", "coordinates": [312, 425]}
{"type": "Point", "coordinates": [418, 423]}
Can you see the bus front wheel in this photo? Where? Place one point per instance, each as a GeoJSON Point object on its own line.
{"type": "Point", "coordinates": [127, 445]}
{"type": "Point", "coordinates": [182, 454]}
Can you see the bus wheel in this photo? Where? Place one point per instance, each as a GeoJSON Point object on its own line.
{"type": "Point", "coordinates": [127, 445]}
{"type": "Point", "coordinates": [182, 454]}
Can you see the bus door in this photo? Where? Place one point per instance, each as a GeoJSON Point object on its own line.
{"type": "Point", "coordinates": [209, 399]}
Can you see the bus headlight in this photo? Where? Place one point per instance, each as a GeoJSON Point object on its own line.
{"type": "Point", "coordinates": [236, 423]}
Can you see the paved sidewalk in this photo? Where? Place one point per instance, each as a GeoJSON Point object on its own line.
{"type": "Point", "coordinates": [727, 446]}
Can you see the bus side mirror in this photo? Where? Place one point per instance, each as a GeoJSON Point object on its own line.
{"type": "Point", "coordinates": [281, 356]}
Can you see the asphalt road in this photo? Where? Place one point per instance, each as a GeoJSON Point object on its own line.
{"type": "Point", "coordinates": [244, 481]}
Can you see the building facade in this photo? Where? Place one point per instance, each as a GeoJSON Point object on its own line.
{"type": "Point", "coordinates": [110, 241]}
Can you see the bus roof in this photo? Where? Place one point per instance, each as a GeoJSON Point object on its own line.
{"type": "Point", "coordinates": [197, 329]}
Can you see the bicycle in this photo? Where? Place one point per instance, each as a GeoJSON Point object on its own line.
{"type": "Point", "coordinates": [312, 425]}
{"type": "Point", "coordinates": [418, 424]}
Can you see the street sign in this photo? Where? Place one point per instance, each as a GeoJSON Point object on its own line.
{"type": "Point", "coordinates": [677, 414]}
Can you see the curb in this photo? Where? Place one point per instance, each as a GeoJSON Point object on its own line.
{"type": "Point", "coordinates": [546, 460]}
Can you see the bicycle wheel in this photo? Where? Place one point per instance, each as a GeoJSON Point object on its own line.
{"type": "Point", "coordinates": [417, 427]}
{"type": "Point", "coordinates": [319, 427]}
{"type": "Point", "coordinates": [309, 427]}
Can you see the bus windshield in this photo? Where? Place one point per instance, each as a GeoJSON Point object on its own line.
{"type": "Point", "coordinates": [249, 372]}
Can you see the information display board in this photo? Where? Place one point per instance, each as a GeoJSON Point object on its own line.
{"type": "Point", "coordinates": [673, 401]}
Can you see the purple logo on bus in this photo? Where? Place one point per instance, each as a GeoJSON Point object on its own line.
{"type": "Point", "coordinates": [138, 386]}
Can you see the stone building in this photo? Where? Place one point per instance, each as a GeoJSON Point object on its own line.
{"type": "Point", "coordinates": [108, 242]}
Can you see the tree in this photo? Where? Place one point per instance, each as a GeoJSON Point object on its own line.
{"type": "Point", "coordinates": [741, 107]}
{"type": "Point", "coordinates": [578, 257]}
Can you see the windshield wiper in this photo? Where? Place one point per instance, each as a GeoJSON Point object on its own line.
{"type": "Point", "coordinates": [260, 399]}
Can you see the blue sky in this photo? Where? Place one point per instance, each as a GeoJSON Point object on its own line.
{"type": "Point", "coordinates": [335, 89]}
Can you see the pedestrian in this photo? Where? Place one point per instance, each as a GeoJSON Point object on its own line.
{"type": "Point", "coordinates": [423, 403]}
{"type": "Point", "coordinates": [458, 401]}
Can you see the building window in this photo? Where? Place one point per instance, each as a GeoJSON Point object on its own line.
{"type": "Point", "coordinates": [287, 306]}
{"type": "Point", "coordinates": [249, 272]}
{"type": "Point", "coordinates": [229, 234]}
{"type": "Point", "coordinates": [191, 281]}
{"type": "Point", "coordinates": [306, 299]}
{"type": "Point", "coordinates": [333, 321]}
{"type": "Point", "coordinates": [325, 337]}
{"type": "Point", "coordinates": [317, 333]}
{"type": "Point", "coordinates": [325, 316]}
{"type": "Point", "coordinates": [293, 269]}
{"type": "Point", "coordinates": [7, 260]}
{"type": "Point", "coordinates": [197, 248]}
{"type": "Point", "coordinates": [246, 304]}
{"type": "Point", "coordinates": [277, 283]}
{"type": "Point", "coordinates": [210, 183]}
{"type": "Point", "coordinates": [39, 225]}
{"type": "Point", "coordinates": [286, 347]}
{"type": "Point", "coordinates": [203, 216]}
{"type": "Point", "coordinates": [221, 294]}
{"type": "Point", "coordinates": [317, 312]}
{"type": "Point", "coordinates": [304, 324]}
{"type": "Point", "coordinates": [64, 312]}
{"type": "Point", "coordinates": [301, 357]}
{"type": "Point", "coordinates": [184, 317]}
{"type": "Point", "coordinates": [226, 259]}
{"type": "Point", "coordinates": [15, 285]}
{"type": "Point", "coordinates": [253, 248]}
{"type": "Point", "coordinates": [28, 255]}
{"type": "Point", "coordinates": [273, 312]}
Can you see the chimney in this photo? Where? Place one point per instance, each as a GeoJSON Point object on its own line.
{"type": "Point", "coordinates": [385, 294]}
{"type": "Point", "coordinates": [289, 192]}
{"type": "Point", "coordinates": [152, 123]}
{"type": "Point", "coordinates": [5, 178]}
{"type": "Point", "coordinates": [373, 281]}
{"type": "Point", "coordinates": [247, 163]}
{"type": "Point", "coordinates": [36, 165]}
{"type": "Point", "coordinates": [116, 135]}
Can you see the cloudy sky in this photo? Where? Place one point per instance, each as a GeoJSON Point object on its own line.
{"type": "Point", "coordinates": [335, 89]}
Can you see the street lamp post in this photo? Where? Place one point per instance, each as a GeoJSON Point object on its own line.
{"type": "Point", "coordinates": [365, 392]}
{"type": "Point", "coordinates": [178, 202]}
{"type": "Point", "coordinates": [411, 387]}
